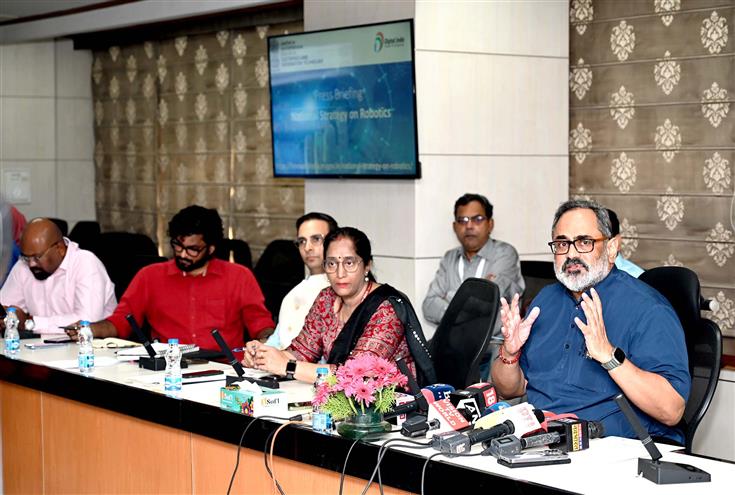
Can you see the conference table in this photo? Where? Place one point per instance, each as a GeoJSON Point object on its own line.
{"type": "Point", "coordinates": [116, 431]}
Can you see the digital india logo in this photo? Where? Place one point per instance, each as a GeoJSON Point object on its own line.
{"type": "Point", "coordinates": [379, 42]}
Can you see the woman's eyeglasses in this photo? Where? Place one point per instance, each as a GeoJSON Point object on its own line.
{"type": "Point", "coordinates": [350, 264]}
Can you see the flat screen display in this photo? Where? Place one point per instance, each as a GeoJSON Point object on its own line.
{"type": "Point", "coordinates": [343, 102]}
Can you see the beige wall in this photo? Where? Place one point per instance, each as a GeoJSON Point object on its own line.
{"type": "Point", "coordinates": [46, 127]}
{"type": "Point", "coordinates": [492, 110]}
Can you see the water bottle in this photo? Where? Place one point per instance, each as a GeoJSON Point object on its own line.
{"type": "Point", "coordinates": [321, 420]}
{"type": "Point", "coordinates": [173, 367]}
{"type": "Point", "coordinates": [12, 338]}
{"type": "Point", "coordinates": [86, 350]}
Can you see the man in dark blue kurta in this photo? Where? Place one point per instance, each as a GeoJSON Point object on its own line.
{"type": "Point", "coordinates": [596, 333]}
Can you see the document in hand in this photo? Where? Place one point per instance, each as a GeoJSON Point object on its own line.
{"type": "Point", "coordinates": [134, 353]}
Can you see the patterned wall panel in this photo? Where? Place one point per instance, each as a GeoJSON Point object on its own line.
{"type": "Point", "coordinates": [187, 120]}
{"type": "Point", "coordinates": [652, 119]}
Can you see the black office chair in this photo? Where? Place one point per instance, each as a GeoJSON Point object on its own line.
{"type": "Point", "coordinates": [123, 254]}
{"type": "Point", "coordinates": [85, 233]}
{"type": "Point", "coordinates": [536, 275]}
{"type": "Point", "coordinates": [278, 270]}
{"type": "Point", "coordinates": [128, 267]}
{"type": "Point", "coordinates": [62, 224]}
{"type": "Point", "coordinates": [703, 340]}
{"type": "Point", "coordinates": [236, 250]}
{"type": "Point", "coordinates": [464, 332]}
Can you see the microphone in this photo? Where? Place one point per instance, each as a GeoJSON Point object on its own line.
{"type": "Point", "coordinates": [575, 434]}
{"type": "Point", "coordinates": [485, 393]}
{"type": "Point", "coordinates": [653, 469]}
{"type": "Point", "coordinates": [153, 362]}
{"type": "Point", "coordinates": [429, 394]}
{"type": "Point", "coordinates": [466, 402]}
{"type": "Point", "coordinates": [449, 418]}
{"type": "Point", "coordinates": [228, 353]}
{"type": "Point", "coordinates": [452, 442]}
{"type": "Point", "coordinates": [237, 366]}
{"type": "Point", "coordinates": [422, 397]}
{"type": "Point", "coordinates": [419, 402]}
{"type": "Point", "coordinates": [521, 414]}
{"type": "Point", "coordinates": [474, 400]}
{"type": "Point", "coordinates": [567, 435]}
{"type": "Point", "coordinates": [419, 423]}
{"type": "Point", "coordinates": [496, 407]}
{"type": "Point", "coordinates": [522, 420]}
{"type": "Point", "coordinates": [140, 335]}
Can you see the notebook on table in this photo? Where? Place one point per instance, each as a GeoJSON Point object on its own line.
{"type": "Point", "coordinates": [134, 353]}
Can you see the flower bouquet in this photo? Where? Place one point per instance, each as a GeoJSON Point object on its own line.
{"type": "Point", "coordinates": [360, 392]}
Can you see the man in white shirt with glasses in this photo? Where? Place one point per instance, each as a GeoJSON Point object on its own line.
{"type": "Point", "coordinates": [478, 256]}
{"type": "Point", "coordinates": [311, 229]}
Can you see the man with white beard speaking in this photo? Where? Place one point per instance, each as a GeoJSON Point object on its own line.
{"type": "Point", "coordinates": [596, 333]}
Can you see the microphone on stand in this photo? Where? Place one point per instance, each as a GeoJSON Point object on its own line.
{"type": "Point", "coordinates": [653, 469]}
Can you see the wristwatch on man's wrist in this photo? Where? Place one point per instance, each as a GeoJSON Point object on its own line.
{"type": "Point", "coordinates": [617, 358]}
{"type": "Point", "coordinates": [290, 369]}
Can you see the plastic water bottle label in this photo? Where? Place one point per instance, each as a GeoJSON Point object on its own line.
{"type": "Point", "coordinates": [172, 383]}
{"type": "Point", "coordinates": [321, 421]}
{"type": "Point", "coordinates": [12, 345]}
{"type": "Point", "coordinates": [86, 362]}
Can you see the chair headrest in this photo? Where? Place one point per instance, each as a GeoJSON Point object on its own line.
{"type": "Point", "coordinates": [681, 287]}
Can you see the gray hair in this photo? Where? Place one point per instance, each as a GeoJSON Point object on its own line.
{"type": "Point", "coordinates": [603, 219]}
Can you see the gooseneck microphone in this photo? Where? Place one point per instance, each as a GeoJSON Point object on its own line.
{"type": "Point", "coordinates": [420, 402]}
{"type": "Point", "coordinates": [140, 335]}
{"type": "Point", "coordinates": [655, 470]}
{"type": "Point", "coordinates": [640, 431]}
{"type": "Point", "coordinates": [228, 353]}
{"type": "Point", "coordinates": [229, 380]}
{"type": "Point", "coordinates": [153, 362]}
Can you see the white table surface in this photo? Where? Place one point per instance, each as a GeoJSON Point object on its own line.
{"type": "Point", "coordinates": [128, 373]}
{"type": "Point", "coordinates": [607, 467]}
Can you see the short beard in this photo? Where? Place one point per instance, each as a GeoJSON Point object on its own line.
{"type": "Point", "coordinates": [192, 266]}
{"type": "Point", "coordinates": [40, 274]}
{"type": "Point", "coordinates": [583, 280]}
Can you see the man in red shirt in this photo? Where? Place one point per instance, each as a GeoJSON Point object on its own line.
{"type": "Point", "coordinates": [188, 296]}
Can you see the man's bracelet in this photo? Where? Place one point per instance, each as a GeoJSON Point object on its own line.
{"type": "Point", "coordinates": [505, 360]}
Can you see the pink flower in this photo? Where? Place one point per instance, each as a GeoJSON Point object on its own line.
{"type": "Point", "coordinates": [358, 366]}
{"type": "Point", "coordinates": [350, 386]}
{"type": "Point", "coordinates": [364, 393]}
{"type": "Point", "coordinates": [321, 395]}
{"type": "Point", "coordinates": [383, 368]}
{"type": "Point", "coordinates": [400, 380]}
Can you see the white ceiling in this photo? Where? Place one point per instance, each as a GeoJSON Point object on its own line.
{"type": "Point", "coordinates": [13, 9]}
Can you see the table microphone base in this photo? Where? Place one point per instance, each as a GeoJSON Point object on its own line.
{"type": "Point", "coordinates": [263, 382]}
{"type": "Point", "coordinates": [229, 380]}
{"type": "Point", "coordinates": [156, 363]}
{"type": "Point", "coordinates": [665, 473]}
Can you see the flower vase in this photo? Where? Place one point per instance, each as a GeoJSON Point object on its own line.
{"type": "Point", "coordinates": [363, 424]}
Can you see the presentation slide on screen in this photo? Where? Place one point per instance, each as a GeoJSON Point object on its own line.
{"type": "Point", "coordinates": [343, 102]}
